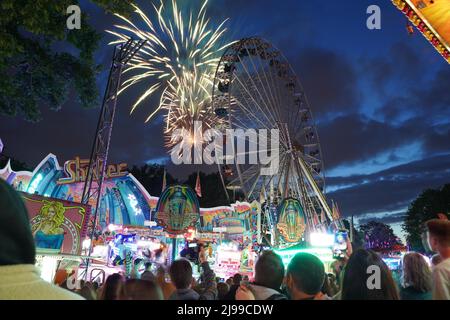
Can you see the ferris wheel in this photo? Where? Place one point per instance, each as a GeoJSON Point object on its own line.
{"type": "Point", "coordinates": [256, 88]}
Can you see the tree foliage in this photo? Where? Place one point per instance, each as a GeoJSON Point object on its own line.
{"type": "Point", "coordinates": [151, 177]}
{"type": "Point", "coordinates": [213, 194]}
{"type": "Point", "coordinates": [427, 205]}
{"type": "Point", "coordinates": [379, 236]}
{"type": "Point", "coordinates": [41, 60]}
{"type": "Point", "coordinates": [16, 165]}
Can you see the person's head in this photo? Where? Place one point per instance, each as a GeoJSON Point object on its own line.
{"type": "Point", "coordinates": [269, 270]}
{"type": "Point", "coordinates": [336, 268]}
{"type": "Point", "coordinates": [16, 240]}
{"type": "Point", "coordinates": [229, 281]}
{"type": "Point", "coordinates": [160, 272]}
{"type": "Point", "coordinates": [416, 272]}
{"type": "Point", "coordinates": [356, 278]}
{"type": "Point", "coordinates": [136, 289]}
{"type": "Point", "coordinates": [113, 286]}
{"type": "Point", "coordinates": [436, 259]}
{"type": "Point", "coordinates": [148, 266]}
{"type": "Point", "coordinates": [237, 278]}
{"type": "Point", "coordinates": [181, 273]}
{"type": "Point", "coordinates": [305, 276]}
{"type": "Point", "coordinates": [222, 290]}
{"type": "Point", "coordinates": [332, 278]}
{"type": "Point", "coordinates": [327, 287]}
{"type": "Point", "coordinates": [88, 292]}
{"type": "Point", "coordinates": [148, 275]}
{"type": "Point", "coordinates": [439, 236]}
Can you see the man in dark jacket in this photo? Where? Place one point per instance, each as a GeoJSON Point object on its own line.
{"type": "Point", "coordinates": [269, 275]}
{"type": "Point", "coordinates": [305, 277]}
{"type": "Point", "coordinates": [181, 275]}
{"type": "Point", "coordinates": [237, 278]}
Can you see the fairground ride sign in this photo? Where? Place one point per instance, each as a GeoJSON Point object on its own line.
{"type": "Point", "coordinates": [76, 171]}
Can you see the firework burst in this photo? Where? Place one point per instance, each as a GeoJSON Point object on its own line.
{"type": "Point", "coordinates": [178, 60]}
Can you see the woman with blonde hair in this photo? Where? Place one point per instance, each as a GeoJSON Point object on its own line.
{"type": "Point", "coordinates": [48, 232]}
{"type": "Point", "coordinates": [416, 278]}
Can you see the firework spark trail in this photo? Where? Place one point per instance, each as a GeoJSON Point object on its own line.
{"type": "Point", "coordinates": [179, 59]}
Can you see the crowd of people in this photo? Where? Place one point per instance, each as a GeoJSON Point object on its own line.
{"type": "Point", "coordinates": [361, 275]}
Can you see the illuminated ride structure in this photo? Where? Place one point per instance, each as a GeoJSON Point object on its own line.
{"type": "Point", "coordinates": [256, 88]}
{"type": "Point", "coordinates": [100, 148]}
{"type": "Point", "coordinates": [431, 18]}
{"type": "Point", "coordinates": [99, 155]}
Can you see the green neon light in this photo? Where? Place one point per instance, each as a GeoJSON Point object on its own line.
{"type": "Point", "coordinates": [324, 254]}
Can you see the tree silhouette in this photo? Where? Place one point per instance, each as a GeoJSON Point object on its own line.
{"type": "Point", "coordinates": [151, 177]}
{"type": "Point", "coordinates": [379, 236]}
{"type": "Point", "coordinates": [213, 194]}
{"type": "Point", "coordinates": [16, 165]}
{"type": "Point", "coordinates": [41, 61]}
{"type": "Point", "coordinates": [427, 205]}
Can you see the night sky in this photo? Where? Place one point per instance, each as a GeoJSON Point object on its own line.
{"type": "Point", "coordinates": [380, 100]}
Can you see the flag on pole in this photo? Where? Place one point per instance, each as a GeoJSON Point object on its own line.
{"type": "Point", "coordinates": [198, 188]}
{"type": "Point", "coordinates": [164, 181]}
{"type": "Point", "coordinates": [337, 211]}
{"type": "Point", "coordinates": [316, 219]}
{"type": "Point", "coordinates": [336, 215]}
{"type": "Point", "coordinates": [323, 219]}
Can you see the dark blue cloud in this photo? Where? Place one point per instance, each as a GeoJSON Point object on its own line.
{"type": "Point", "coordinates": [389, 190]}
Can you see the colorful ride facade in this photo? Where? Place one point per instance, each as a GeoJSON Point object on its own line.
{"type": "Point", "coordinates": [125, 202]}
{"type": "Point", "coordinates": [233, 231]}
